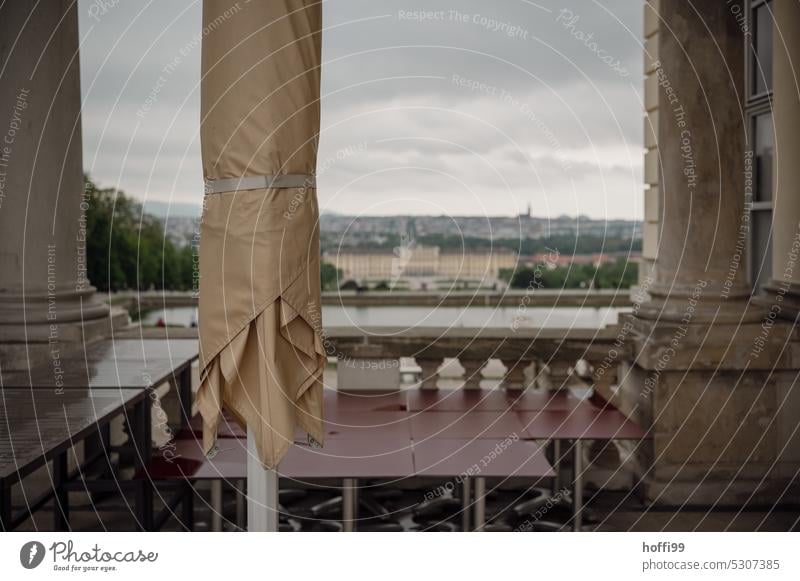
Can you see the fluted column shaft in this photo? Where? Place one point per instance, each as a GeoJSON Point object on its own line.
{"type": "Point", "coordinates": [701, 144]}
{"type": "Point", "coordinates": [42, 228]}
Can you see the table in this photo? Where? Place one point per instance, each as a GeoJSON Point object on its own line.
{"type": "Point", "coordinates": [342, 458]}
{"type": "Point", "coordinates": [585, 422]}
{"type": "Point", "coordinates": [471, 424]}
{"type": "Point", "coordinates": [38, 426]}
{"type": "Point", "coordinates": [490, 400]}
{"type": "Point", "coordinates": [367, 426]}
{"type": "Point", "coordinates": [364, 401]}
{"type": "Point", "coordinates": [121, 364]}
{"type": "Point", "coordinates": [442, 434]}
{"type": "Point", "coordinates": [478, 459]}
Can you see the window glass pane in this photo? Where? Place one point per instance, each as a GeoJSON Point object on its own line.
{"type": "Point", "coordinates": [760, 251]}
{"type": "Point", "coordinates": [762, 58]}
{"type": "Point", "coordinates": [764, 139]}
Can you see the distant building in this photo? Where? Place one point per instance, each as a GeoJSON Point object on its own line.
{"type": "Point", "coordinates": [364, 264]}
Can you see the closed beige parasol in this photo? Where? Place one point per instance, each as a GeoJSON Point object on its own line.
{"type": "Point", "coordinates": [260, 318]}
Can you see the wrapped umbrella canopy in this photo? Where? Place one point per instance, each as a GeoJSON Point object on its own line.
{"type": "Point", "coordinates": [260, 317]}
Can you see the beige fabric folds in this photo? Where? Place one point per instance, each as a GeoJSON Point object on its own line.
{"type": "Point", "coordinates": [261, 356]}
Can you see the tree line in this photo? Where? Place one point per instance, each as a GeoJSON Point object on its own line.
{"type": "Point", "coordinates": [620, 274]}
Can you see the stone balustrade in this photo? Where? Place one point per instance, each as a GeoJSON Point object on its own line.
{"type": "Point", "coordinates": [136, 301]}
{"type": "Point", "coordinates": [550, 359]}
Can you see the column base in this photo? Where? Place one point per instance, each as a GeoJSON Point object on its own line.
{"type": "Point", "coordinates": [721, 493]}
{"type": "Point", "coordinates": [719, 406]}
{"type": "Point", "coordinates": [62, 304]}
{"type": "Point", "coordinates": [27, 346]}
{"type": "Point", "coordinates": [781, 298]}
{"type": "Point", "coordinates": [703, 303]}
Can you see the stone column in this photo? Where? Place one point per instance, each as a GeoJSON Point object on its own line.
{"type": "Point", "coordinates": [706, 371]}
{"type": "Point", "coordinates": [45, 297]}
{"type": "Point", "coordinates": [701, 157]}
{"type": "Point", "coordinates": [784, 287]}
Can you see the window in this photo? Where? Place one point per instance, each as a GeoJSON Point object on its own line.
{"type": "Point", "coordinates": [761, 137]}
{"type": "Point", "coordinates": [761, 59]}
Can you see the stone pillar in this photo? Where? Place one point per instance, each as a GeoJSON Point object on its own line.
{"type": "Point", "coordinates": [784, 287]}
{"type": "Point", "coordinates": [701, 159]}
{"type": "Point", "coordinates": [706, 370]}
{"type": "Point", "coordinates": [45, 297]}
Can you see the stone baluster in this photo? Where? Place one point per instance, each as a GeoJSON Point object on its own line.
{"type": "Point", "coordinates": [430, 371]}
{"type": "Point", "coordinates": [472, 372]}
{"type": "Point", "coordinates": [515, 373]}
{"type": "Point", "coordinates": [603, 376]}
{"type": "Point", "coordinates": [555, 375]}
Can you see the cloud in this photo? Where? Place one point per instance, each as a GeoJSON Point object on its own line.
{"type": "Point", "coordinates": [475, 108]}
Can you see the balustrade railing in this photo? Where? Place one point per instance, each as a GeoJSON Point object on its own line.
{"type": "Point", "coordinates": [545, 359]}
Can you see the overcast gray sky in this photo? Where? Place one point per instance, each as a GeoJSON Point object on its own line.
{"type": "Point", "coordinates": [480, 108]}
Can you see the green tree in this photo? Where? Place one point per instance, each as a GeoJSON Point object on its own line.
{"type": "Point", "coordinates": [329, 275]}
{"type": "Point", "coordinates": [128, 249]}
{"type": "Point", "coordinates": [620, 274]}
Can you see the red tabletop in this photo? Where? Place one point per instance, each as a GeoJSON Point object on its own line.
{"type": "Point", "coordinates": [444, 457]}
{"type": "Point", "coordinates": [367, 425]}
{"type": "Point", "coordinates": [543, 400]}
{"type": "Point", "coordinates": [367, 437]}
{"type": "Point", "coordinates": [374, 458]}
{"type": "Point", "coordinates": [465, 425]}
{"type": "Point", "coordinates": [228, 428]}
{"type": "Point", "coordinates": [584, 422]}
{"type": "Point", "coordinates": [348, 459]}
{"type": "Point", "coordinates": [458, 400]}
{"type": "Point", "coordinates": [489, 400]}
{"type": "Point", "coordinates": [186, 460]}
{"type": "Point", "coordinates": [390, 401]}
{"type": "Point", "coordinates": [230, 461]}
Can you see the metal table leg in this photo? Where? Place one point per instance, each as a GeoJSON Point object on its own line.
{"type": "Point", "coordinates": [349, 504]}
{"type": "Point", "coordinates": [147, 429]}
{"type": "Point", "coordinates": [185, 395]}
{"type": "Point", "coordinates": [5, 506]}
{"type": "Point", "coordinates": [142, 440]}
{"type": "Point", "coordinates": [216, 505]}
{"type": "Point", "coordinates": [480, 503]}
{"type": "Point", "coordinates": [61, 500]}
{"type": "Point", "coordinates": [577, 485]}
{"type": "Point", "coordinates": [466, 494]}
{"type": "Point", "coordinates": [188, 506]}
{"type": "Point", "coordinates": [556, 466]}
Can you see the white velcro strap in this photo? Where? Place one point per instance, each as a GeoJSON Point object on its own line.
{"type": "Point", "coordinates": [243, 183]}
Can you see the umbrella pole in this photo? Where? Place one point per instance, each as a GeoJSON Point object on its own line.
{"type": "Point", "coordinates": [262, 492]}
